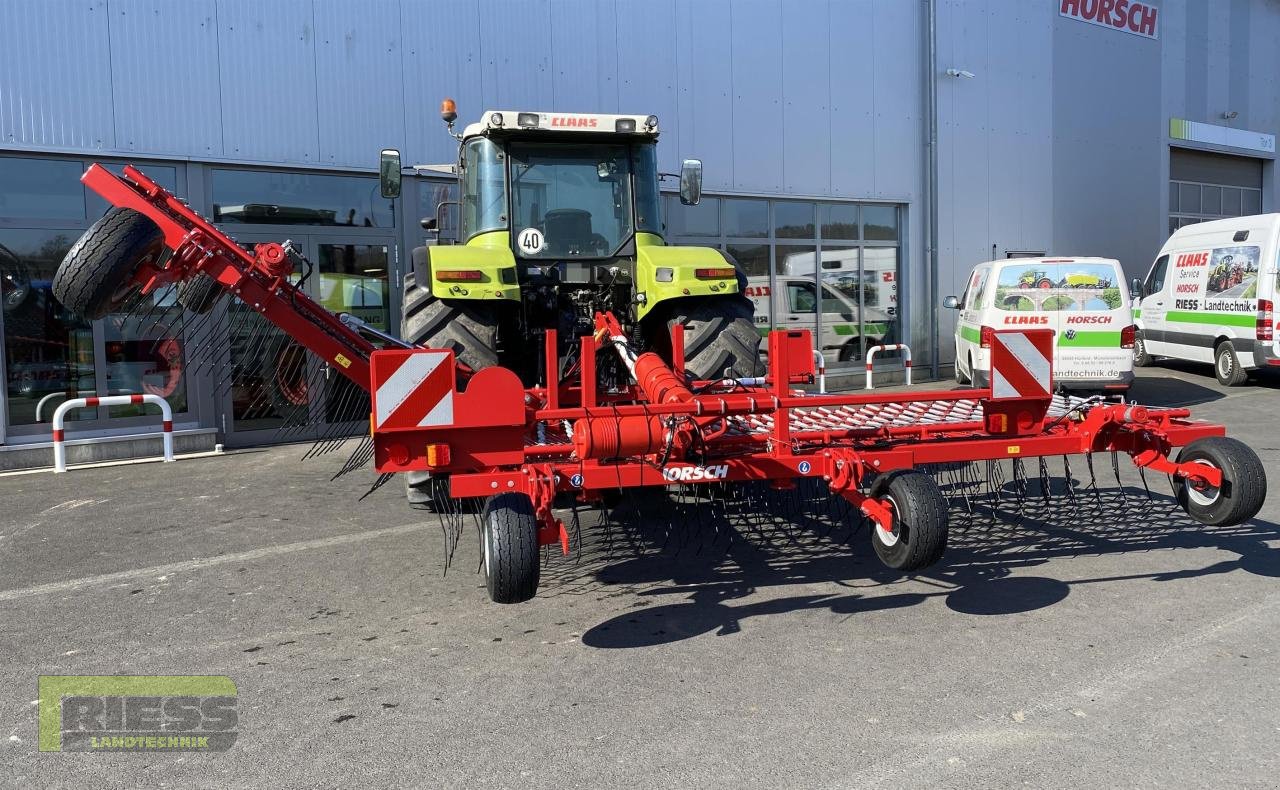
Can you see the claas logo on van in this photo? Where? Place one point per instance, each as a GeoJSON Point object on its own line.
{"type": "Point", "coordinates": [1193, 259]}
{"type": "Point", "coordinates": [1024, 320]}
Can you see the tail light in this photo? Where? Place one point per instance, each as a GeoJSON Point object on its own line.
{"type": "Point", "coordinates": [460, 276]}
{"type": "Point", "coordinates": [1265, 316]}
{"type": "Point", "coordinates": [713, 274]}
{"type": "Point", "coordinates": [1128, 336]}
{"type": "Point", "coordinates": [988, 336]}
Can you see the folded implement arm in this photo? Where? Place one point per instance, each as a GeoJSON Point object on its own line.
{"type": "Point", "coordinates": [521, 447]}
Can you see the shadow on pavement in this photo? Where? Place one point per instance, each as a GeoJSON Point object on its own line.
{"type": "Point", "coordinates": [734, 540]}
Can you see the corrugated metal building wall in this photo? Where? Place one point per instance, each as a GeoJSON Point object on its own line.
{"type": "Point", "coordinates": [1060, 142]}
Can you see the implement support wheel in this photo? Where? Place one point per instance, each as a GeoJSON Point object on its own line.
{"type": "Point", "coordinates": [919, 535]}
{"type": "Point", "coordinates": [509, 541]}
{"type": "Point", "coordinates": [1244, 482]}
{"type": "Point", "coordinates": [95, 278]}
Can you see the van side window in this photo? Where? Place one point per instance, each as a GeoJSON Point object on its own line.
{"type": "Point", "coordinates": [802, 297]}
{"type": "Point", "coordinates": [973, 295]}
{"type": "Point", "coordinates": [1155, 280]}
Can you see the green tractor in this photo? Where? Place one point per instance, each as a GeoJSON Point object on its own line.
{"type": "Point", "coordinates": [560, 217]}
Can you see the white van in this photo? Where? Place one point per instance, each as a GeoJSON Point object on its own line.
{"type": "Point", "coordinates": [1084, 300]}
{"type": "Point", "coordinates": [1209, 297]}
{"type": "Point", "coordinates": [847, 332]}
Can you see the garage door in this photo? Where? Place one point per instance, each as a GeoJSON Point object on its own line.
{"type": "Point", "coordinates": [1205, 186]}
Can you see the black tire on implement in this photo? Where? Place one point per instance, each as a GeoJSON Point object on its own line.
{"type": "Point", "coordinates": [919, 535]}
{"type": "Point", "coordinates": [199, 294]}
{"type": "Point", "coordinates": [719, 334]}
{"type": "Point", "coordinates": [510, 545]}
{"type": "Point", "coordinates": [1244, 482]}
{"type": "Point", "coordinates": [93, 279]}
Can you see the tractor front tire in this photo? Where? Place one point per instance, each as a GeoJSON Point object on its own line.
{"type": "Point", "coordinates": [1244, 482]}
{"type": "Point", "coordinates": [720, 337]}
{"type": "Point", "coordinates": [509, 541]}
{"type": "Point", "coordinates": [919, 534]}
{"type": "Point", "coordinates": [94, 278]}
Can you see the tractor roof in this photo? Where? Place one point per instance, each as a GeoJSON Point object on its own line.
{"type": "Point", "coordinates": [495, 122]}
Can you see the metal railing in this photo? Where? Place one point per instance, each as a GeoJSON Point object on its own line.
{"type": "Point", "coordinates": [906, 360]}
{"type": "Point", "coordinates": [60, 417]}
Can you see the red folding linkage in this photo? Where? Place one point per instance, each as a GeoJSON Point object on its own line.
{"type": "Point", "coordinates": [260, 279]}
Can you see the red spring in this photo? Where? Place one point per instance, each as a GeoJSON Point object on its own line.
{"type": "Point", "coordinates": [659, 383]}
{"type": "Point", "coordinates": [623, 437]}
{"type": "Point", "coordinates": [271, 259]}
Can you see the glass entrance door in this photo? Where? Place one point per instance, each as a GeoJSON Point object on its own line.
{"type": "Point", "coordinates": [277, 390]}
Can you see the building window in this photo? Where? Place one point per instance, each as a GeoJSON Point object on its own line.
{"type": "Point", "coordinates": [843, 257]}
{"type": "Point", "coordinates": [269, 197]}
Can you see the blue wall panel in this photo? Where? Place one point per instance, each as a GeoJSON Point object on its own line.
{"type": "Point", "coordinates": [48, 100]}
{"type": "Point", "coordinates": [267, 79]}
{"type": "Point", "coordinates": [359, 80]}
{"type": "Point", "coordinates": [442, 58]}
{"type": "Point", "coordinates": [164, 77]}
{"type": "Point", "coordinates": [706, 49]}
{"type": "Point", "coordinates": [806, 98]}
{"type": "Point", "coordinates": [850, 38]}
{"type": "Point", "coordinates": [756, 28]}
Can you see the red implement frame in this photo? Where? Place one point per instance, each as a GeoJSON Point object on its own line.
{"type": "Point", "coordinates": [661, 430]}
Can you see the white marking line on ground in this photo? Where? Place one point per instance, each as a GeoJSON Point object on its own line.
{"type": "Point", "coordinates": [200, 563]}
{"type": "Point", "coordinates": [972, 744]}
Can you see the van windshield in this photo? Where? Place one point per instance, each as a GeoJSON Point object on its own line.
{"type": "Point", "coordinates": [1037, 286]}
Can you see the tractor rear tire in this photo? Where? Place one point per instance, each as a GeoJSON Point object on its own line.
{"type": "Point", "coordinates": [919, 535]}
{"type": "Point", "coordinates": [509, 541]}
{"type": "Point", "coordinates": [199, 294]}
{"type": "Point", "coordinates": [470, 329]}
{"type": "Point", "coordinates": [720, 337]}
{"type": "Point", "coordinates": [1244, 482]}
{"type": "Point", "coordinates": [94, 277]}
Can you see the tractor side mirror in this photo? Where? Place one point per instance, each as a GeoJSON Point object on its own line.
{"type": "Point", "coordinates": [429, 224]}
{"type": "Point", "coordinates": [951, 303]}
{"type": "Point", "coordinates": [1135, 288]}
{"type": "Point", "coordinates": [389, 173]}
{"type": "Point", "coordinates": [691, 182]}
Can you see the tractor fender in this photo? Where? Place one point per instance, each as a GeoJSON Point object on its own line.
{"type": "Point", "coordinates": [496, 267]}
{"type": "Point", "coordinates": [664, 273]}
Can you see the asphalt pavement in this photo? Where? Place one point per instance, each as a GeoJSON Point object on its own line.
{"type": "Point", "coordinates": [1097, 639]}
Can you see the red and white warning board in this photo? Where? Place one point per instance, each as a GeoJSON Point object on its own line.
{"type": "Point", "coordinates": [412, 389]}
{"type": "Point", "coordinates": [1022, 364]}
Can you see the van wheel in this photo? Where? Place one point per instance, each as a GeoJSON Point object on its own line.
{"type": "Point", "coordinates": [961, 378]}
{"type": "Point", "coordinates": [1226, 367]}
{"type": "Point", "coordinates": [1140, 356]}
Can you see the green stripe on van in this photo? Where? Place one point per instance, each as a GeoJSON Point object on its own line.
{"type": "Point", "coordinates": [1091, 340]}
{"type": "Point", "coordinates": [971, 333]}
{"type": "Point", "coordinates": [1227, 319]}
{"type": "Point", "coordinates": [844, 330]}
{"type": "Point", "coordinates": [1137, 312]}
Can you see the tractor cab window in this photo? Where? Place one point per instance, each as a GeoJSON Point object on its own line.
{"type": "Point", "coordinates": [648, 198]}
{"type": "Point", "coordinates": [570, 202]}
{"type": "Point", "coordinates": [485, 203]}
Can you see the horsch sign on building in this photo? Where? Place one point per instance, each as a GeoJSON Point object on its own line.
{"type": "Point", "coordinates": [1140, 19]}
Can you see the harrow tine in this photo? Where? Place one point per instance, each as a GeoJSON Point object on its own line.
{"type": "Point", "coordinates": [1046, 481]}
{"type": "Point", "coordinates": [377, 483]}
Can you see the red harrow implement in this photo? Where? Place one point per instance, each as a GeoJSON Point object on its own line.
{"type": "Point", "coordinates": [522, 449]}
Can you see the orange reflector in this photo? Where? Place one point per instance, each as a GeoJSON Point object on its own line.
{"type": "Point", "coordinates": [437, 455]}
{"type": "Point", "coordinates": [460, 275]}
{"type": "Point", "coordinates": [714, 274]}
